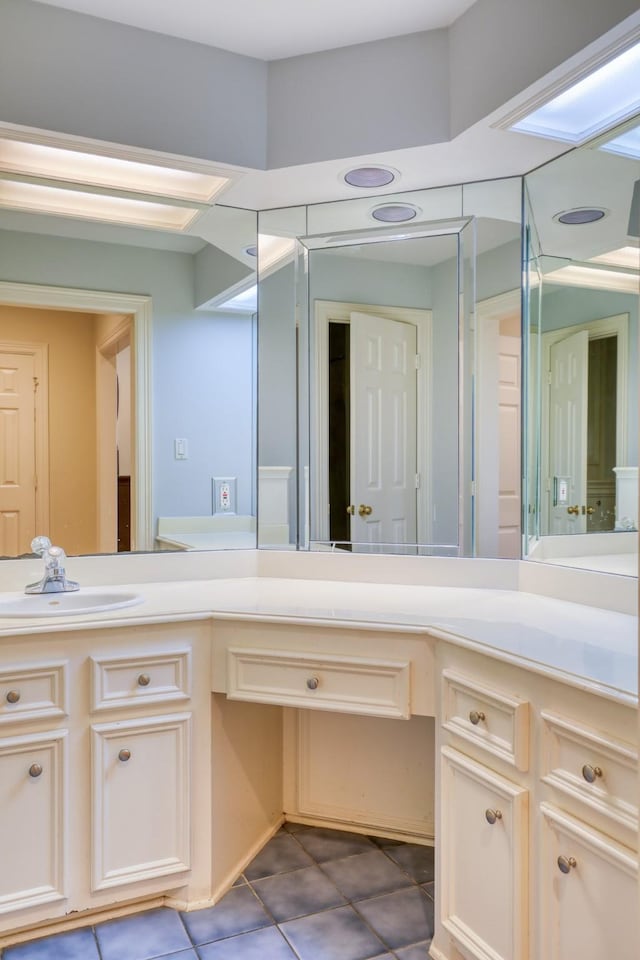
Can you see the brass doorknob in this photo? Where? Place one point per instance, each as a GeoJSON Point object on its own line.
{"type": "Point", "coordinates": [575, 510]}
{"type": "Point", "coordinates": [365, 510]}
{"type": "Point", "coordinates": [590, 510]}
{"type": "Point", "coordinates": [351, 509]}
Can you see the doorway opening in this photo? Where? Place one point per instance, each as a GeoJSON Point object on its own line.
{"type": "Point", "coordinates": [76, 492]}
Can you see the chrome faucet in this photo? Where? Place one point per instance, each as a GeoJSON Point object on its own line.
{"type": "Point", "coordinates": [54, 579]}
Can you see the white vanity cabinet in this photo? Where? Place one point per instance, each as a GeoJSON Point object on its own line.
{"type": "Point", "coordinates": [104, 769]}
{"type": "Point", "coordinates": [554, 875]}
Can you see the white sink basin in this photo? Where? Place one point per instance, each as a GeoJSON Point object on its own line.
{"type": "Point", "coordinates": [67, 604]}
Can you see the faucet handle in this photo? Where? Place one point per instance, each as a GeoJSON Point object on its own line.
{"type": "Point", "coordinates": [40, 545]}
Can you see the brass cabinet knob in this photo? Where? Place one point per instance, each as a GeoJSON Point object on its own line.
{"type": "Point", "coordinates": [124, 755]}
{"type": "Point", "coordinates": [144, 680]}
{"type": "Point", "coordinates": [313, 683]}
{"type": "Point", "coordinates": [13, 696]}
{"type": "Point", "coordinates": [565, 864]}
{"type": "Point", "coordinates": [35, 770]}
{"type": "Point", "coordinates": [476, 716]}
{"type": "Point", "coordinates": [590, 773]}
{"type": "Point", "coordinates": [365, 510]}
{"type": "Point", "coordinates": [492, 815]}
{"type": "Point", "coordinates": [574, 510]}
{"type": "Point", "coordinates": [351, 509]}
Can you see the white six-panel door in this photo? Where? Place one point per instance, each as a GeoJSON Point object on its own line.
{"type": "Point", "coordinates": [383, 430]}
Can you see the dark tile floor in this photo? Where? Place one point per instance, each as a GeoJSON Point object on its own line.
{"type": "Point", "coordinates": [310, 894]}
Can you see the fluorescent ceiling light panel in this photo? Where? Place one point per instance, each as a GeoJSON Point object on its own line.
{"type": "Point", "coordinates": [603, 98]}
{"type": "Point", "coordinates": [92, 206]}
{"type": "Point", "coordinates": [626, 145]}
{"type": "Point", "coordinates": [274, 251]}
{"type": "Point", "coordinates": [628, 257]}
{"type": "Point", "coordinates": [38, 160]}
{"type": "Point", "coordinates": [245, 302]}
{"type": "Point", "coordinates": [595, 278]}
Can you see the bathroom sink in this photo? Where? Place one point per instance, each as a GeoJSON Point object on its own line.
{"type": "Point", "coordinates": [67, 604]}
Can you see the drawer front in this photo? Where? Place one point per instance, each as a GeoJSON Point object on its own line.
{"type": "Point", "coordinates": [490, 719]}
{"type": "Point", "coordinates": [33, 692]}
{"type": "Point", "coordinates": [140, 680]}
{"type": "Point", "coordinates": [594, 769]}
{"type": "Point", "coordinates": [378, 688]}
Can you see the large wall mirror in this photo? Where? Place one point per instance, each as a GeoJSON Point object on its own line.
{"type": "Point", "coordinates": [582, 230]}
{"type": "Point", "coordinates": [127, 382]}
{"type": "Point", "coordinates": [391, 337]}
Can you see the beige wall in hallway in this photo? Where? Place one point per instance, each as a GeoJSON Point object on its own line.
{"type": "Point", "coordinates": [72, 417]}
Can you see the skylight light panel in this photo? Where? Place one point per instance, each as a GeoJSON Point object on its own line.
{"type": "Point", "coordinates": [605, 97]}
{"type": "Point", "coordinates": [626, 145]}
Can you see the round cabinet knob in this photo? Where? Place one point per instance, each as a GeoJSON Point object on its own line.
{"type": "Point", "coordinates": [13, 696]}
{"type": "Point", "coordinates": [565, 864]}
{"type": "Point", "coordinates": [313, 683]}
{"type": "Point", "coordinates": [35, 770]}
{"type": "Point", "coordinates": [590, 773]}
{"type": "Point", "coordinates": [476, 716]}
{"type": "Point", "coordinates": [144, 680]}
{"type": "Point", "coordinates": [124, 755]}
{"type": "Point", "coordinates": [493, 815]}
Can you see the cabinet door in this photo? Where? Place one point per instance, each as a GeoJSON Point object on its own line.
{"type": "Point", "coordinates": [588, 893]}
{"type": "Point", "coordinates": [140, 800]}
{"type": "Point", "coordinates": [483, 857]}
{"type": "Point", "coordinates": [32, 834]}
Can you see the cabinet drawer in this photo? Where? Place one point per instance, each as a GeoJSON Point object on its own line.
{"type": "Point", "coordinates": [592, 768]}
{"type": "Point", "coordinates": [377, 688]}
{"type": "Point", "coordinates": [490, 719]}
{"type": "Point", "coordinates": [140, 680]}
{"type": "Point", "coordinates": [33, 692]}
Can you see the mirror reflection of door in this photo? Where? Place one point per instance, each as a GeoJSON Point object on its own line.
{"type": "Point", "coordinates": [54, 443]}
{"type": "Point", "coordinates": [584, 426]}
{"type": "Point", "coordinates": [372, 430]}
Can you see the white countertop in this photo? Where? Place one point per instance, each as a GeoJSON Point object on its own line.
{"type": "Point", "coordinates": [584, 645]}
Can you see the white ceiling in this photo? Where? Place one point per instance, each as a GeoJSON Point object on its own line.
{"type": "Point", "coordinates": [274, 29]}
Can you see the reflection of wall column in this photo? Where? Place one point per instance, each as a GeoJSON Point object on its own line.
{"type": "Point", "coordinates": [273, 505]}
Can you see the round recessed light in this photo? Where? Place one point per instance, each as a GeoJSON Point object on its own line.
{"type": "Point", "coordinates": [394, 212]}
{"type": "Point", "coordinates": [251, 251]}
{"type": "Point", "coordinates": [580, 215]}
{"type": "Point", "coordinates": [369, 176]}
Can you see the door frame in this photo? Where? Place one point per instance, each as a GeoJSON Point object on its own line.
{"type": "Point", "coordinates": [333, 311]}
{"type": "Point", "coordinates": [140, 310]}
{"type": "Point", "coordinates": [618, 326]}
{"type": "Point", "coordinates": [489, 313]}
{"type": "Point", "coordinates": [40, 354]}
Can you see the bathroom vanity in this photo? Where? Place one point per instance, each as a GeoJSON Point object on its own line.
{"type": "Point", "coordinates": [147, 753]}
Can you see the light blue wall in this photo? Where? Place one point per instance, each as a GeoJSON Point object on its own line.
{"type": "Point", "coordinates": [202, 364]}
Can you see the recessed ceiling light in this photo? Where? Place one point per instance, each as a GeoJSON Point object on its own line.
{"type": "Point", "coordinates": [394, 212]}
{"type": "Point", "coordinates": [369, 176]}
{"type": "Point", "coordinates": [606, 96]}
{"type": "Point", "coordinates": [251, 250]}
{"type": "Point", "coordinates": [56, 163]}
{"type": "Point", "coordinates": [36, 198]}
{"type": "Point", "coordinates": [580, 215]}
